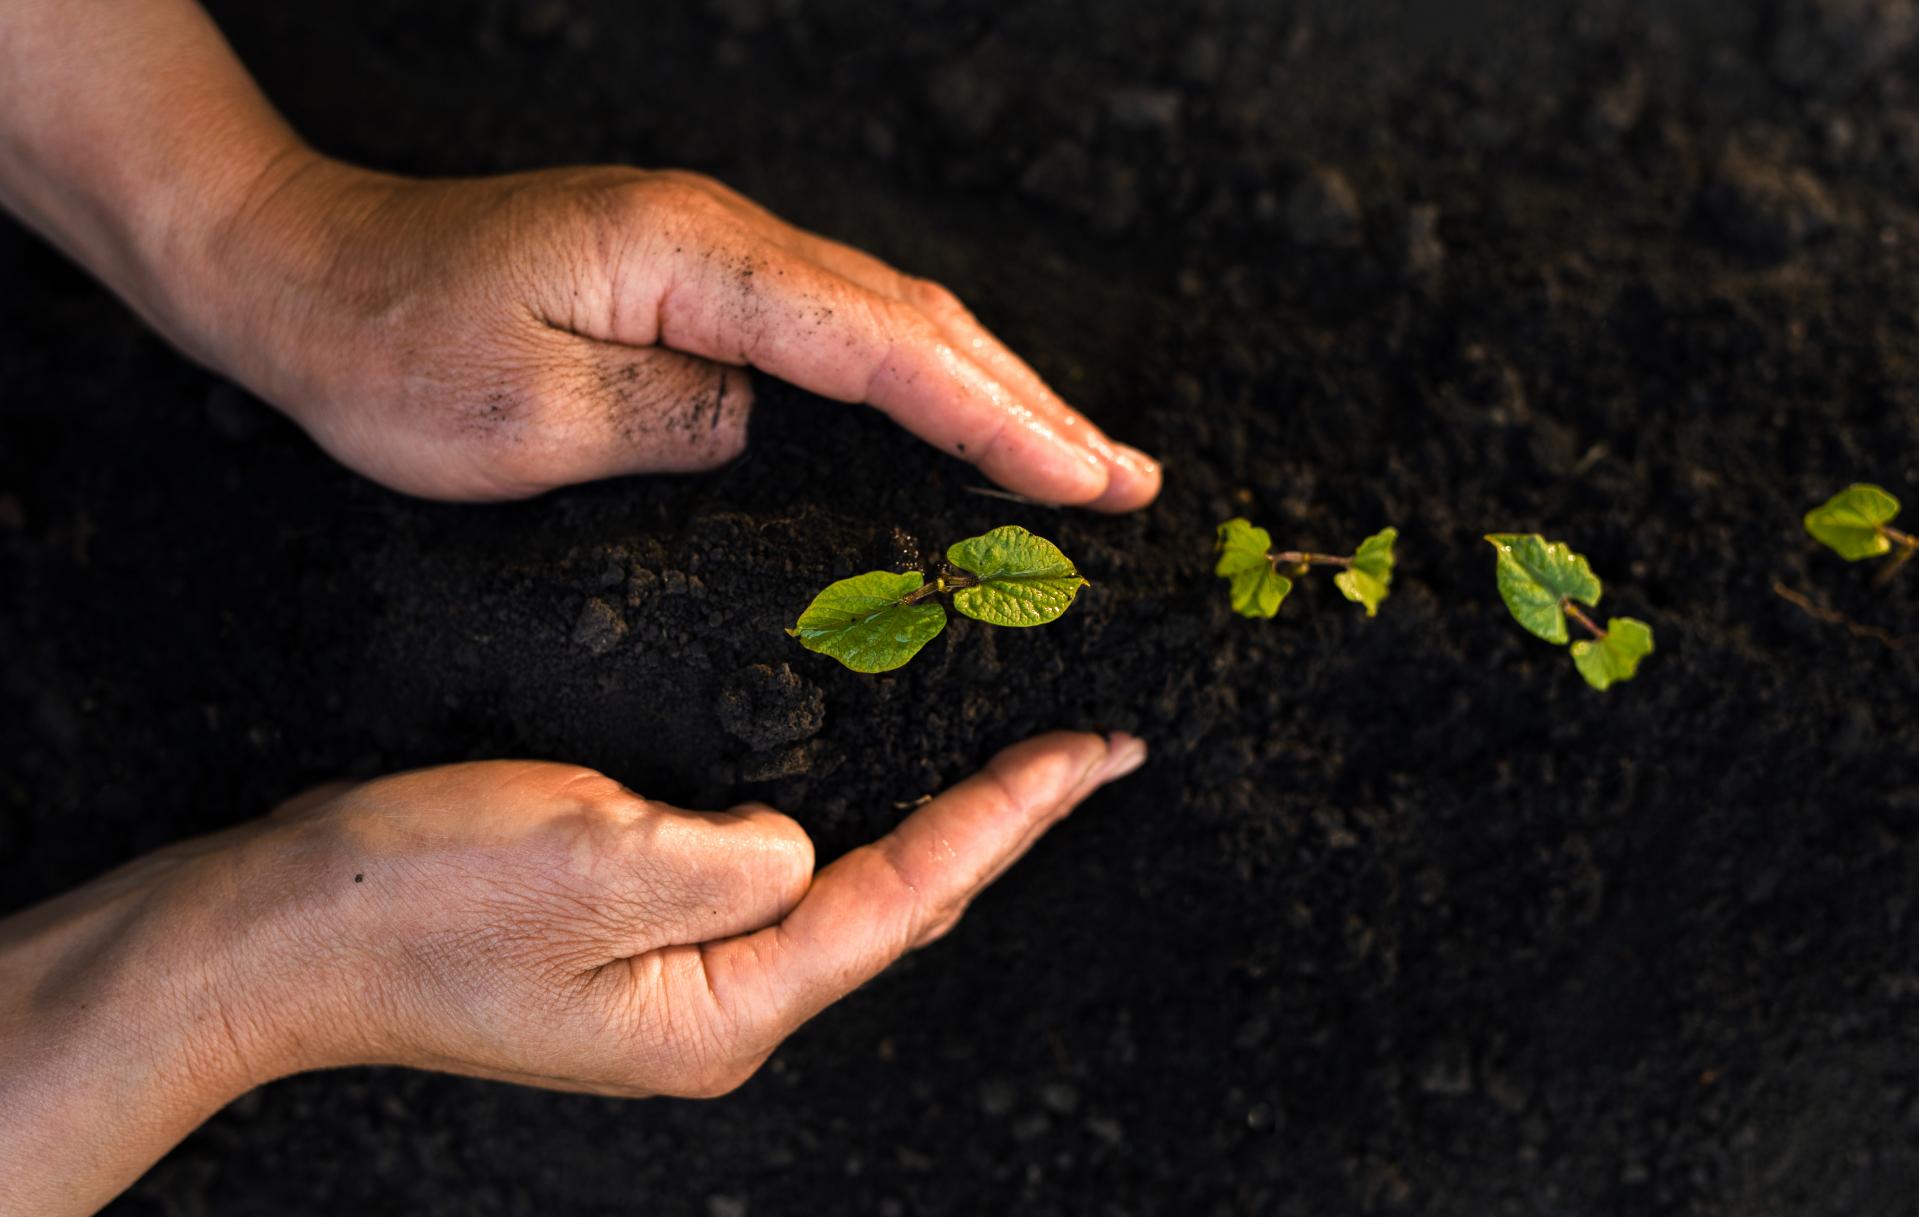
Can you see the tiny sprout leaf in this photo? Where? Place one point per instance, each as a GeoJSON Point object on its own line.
{"type": "Point", "coordinates": [1604, 661]}
{"type": "Point", "coordinates": [1259, 593]}
{"type": "Point", "coordinates": [1851, 522]}
{"type": "Point", "coordinates": [1023, 579]}
{"type": "Point", "coordinates": [1366, 580]}
{"type": "Point", "coordinates": [1537, 576]}
{"type": "Point", "coordinates": [1257, 589]}
{"type": "Point", "coordinates": [862, 623]}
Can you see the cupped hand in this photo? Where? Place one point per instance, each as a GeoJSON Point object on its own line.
{"type": "Point", "coordinates": [542, 924]}
{"type": "Point", "coordinates": [498, 337]}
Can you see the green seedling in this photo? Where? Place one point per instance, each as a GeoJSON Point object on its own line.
{"type": "Point", "coordinates": [1856, 524]}
{"type": "Point", "coordinates": [1544, 583]}
{"type": "Point", "coordinates": [1261, 577]}
{"type": "Point", "coordinates": [877, 621]}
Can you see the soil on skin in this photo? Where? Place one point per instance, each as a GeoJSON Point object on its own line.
{"type": "Point", "coordinates": [1402, 918]}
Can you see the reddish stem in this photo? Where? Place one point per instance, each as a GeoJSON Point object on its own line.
{"type": "Point", "coordinates": [1820, 612]}
{"type": "Point", "coordinates": [1300, 558]}
{"type": "Point", "coordinates": [1573, 611]}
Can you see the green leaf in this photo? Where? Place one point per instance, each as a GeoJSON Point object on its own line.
{"type": "Point", "coordinates": [862, 623]}
{"type": "Point", "coordinates": [1257, 589]}
{"type": "Point", "coordinates": [1603, 661]}
{"type": "Point", "coordinates": [1259, 593]}
{"type": "Point", "coordinates": [1366, 580]}
{"type": "Point", "coordinates": [1242, 548]}
{"type": "Point", "coordinates": [1537, 576]}
{"type": "Point", "coordinates": [1850, 521]}
{"type": "Point", "coordinates": [1023, 579]}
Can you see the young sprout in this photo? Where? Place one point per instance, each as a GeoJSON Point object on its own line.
{"type": "Point", "coordinates": [1544, 583]}
{"type": "Point", "coordinates": [1248, 561]}
{"type": "Point", "coordinates": [877, 621]}
{"type": "Point", "coordinates": [1856, 524]}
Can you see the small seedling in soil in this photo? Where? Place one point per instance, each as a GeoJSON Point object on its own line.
{"type": "Point", "coordinates": [1544, 583]}
{"type": "Point", "coordinates": [1261, 577]}
{"type": "Point", "coordinates": [1856, 524]}
{"type": "Point", "coordinates": [877, 621]}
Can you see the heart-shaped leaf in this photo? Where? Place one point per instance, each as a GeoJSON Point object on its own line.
{"type": "Point", "coordinates": [1537, 577]}
{"type": "Point", "coordinates": [1366, 580]}
{"type": "Point", "coordinates": [1257, 589]}
{"type": "Point", "coordinates": [1023, 579]}
{"type": "Point", "coordinates": [864, 623]}
{"type": "Point", "coordinates": [1850, 521]}
{"type": "Point", "coordinates": [1604, 661]}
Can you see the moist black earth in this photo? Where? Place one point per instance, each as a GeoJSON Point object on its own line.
{"type": "Point", "coordinates": [1401, 917]}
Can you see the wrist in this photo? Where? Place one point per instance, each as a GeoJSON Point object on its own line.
{"type": "Point", "coordinates": [261, 286]}
{"type": "Point", "coordinates": [118, 1034]}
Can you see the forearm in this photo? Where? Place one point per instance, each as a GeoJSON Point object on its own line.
{"type": "Point", "coordinates": [129, 136]}
{"type": "Point", "coordinates": [115, 1041]}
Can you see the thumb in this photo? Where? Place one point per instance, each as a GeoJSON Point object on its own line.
{"type": "Point", "coordinates": [882, 900]}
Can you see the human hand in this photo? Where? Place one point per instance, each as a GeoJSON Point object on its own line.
{"type": "Point", "coordinates": [494, 337]}
{"type": "Point", "coordinates": [540, 923]}
{"type": "Point", "coordinates": [498, 337]}
{"type": "Point", "coordinates": [529, 922]}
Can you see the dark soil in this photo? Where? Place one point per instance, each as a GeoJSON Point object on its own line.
{"type": "Point", "coordinates": [1402, 917]}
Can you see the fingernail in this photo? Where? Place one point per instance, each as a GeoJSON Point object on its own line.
{"type": "Point", "coordinates": [1124, 754]}
{"type": "Point", "coordinates": [1132, 458]}
{"type": "Point", "coordinates": [1135, 481]}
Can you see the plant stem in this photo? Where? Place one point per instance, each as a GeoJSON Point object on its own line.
{"type": "Point", "coordinates": [948, 580]}
{"type": "Point", "coordinates": [1573, 611]}
{"type": "Point", "coordinates": [1857, 629]}
{"type": "Point", "coordinates": [1908, 546]}
{"type": "Point", "coordinates": [1891, 568]}
{"type": "Point", "coordinates": [1301, 560]}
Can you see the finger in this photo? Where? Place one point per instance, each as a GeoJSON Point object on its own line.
{"type": "Point", "coordinates": [736, 298]}
{"type": "Point", "coordinates": [693, 876]}
{"type": "Point", "coordinates": [614, 409]}
{"type": "Point", "coordinates": [1118, 767]}
{"type": "Point", "coordinates": [880, 901]}
{"type": "Point", "coordinates": [963, 330]}
{"type": "Point", "coordinates": [1133, 477]}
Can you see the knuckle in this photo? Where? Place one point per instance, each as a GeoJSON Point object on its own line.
{"type": "Point", "coordinates": [902, 326]}
{"type": "Point", "coordinates": [603, 195]}
{"type": "Point", "coordinates": [940, 928]}
{"type": "Point", "coordinates": [932, 297]}
{"type": "Point", "coordinates": [687, 179]}
{"type": "Point", "coordinates": [792, 859]}
{"type": "Point", "coordinates": [613, 803]}
{"type": "Point", "coordinates": [588, 785]}
{"type": "Point", "coordinates": [783, 835]}
{"type": "Point", "coordinates": [784, 846]}
{"type": "Point", "coordinates": [722, 1076]}
{"type": "Point", "coordinates": [676, 193]}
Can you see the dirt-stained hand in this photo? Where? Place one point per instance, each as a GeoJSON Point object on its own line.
{"type": "Point", "coordinates": [498, 337]}
{"type": "Point", "coordinates": [531, 922]}
{"type": "Point", "coordinates": [542, 924]}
